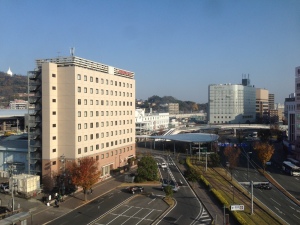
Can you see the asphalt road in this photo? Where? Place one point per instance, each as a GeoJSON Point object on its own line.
{"type": "Point", "coordinates": [188, 209]}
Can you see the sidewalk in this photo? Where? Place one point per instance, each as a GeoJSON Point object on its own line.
{"type": "Point", "coordinates": [43, 214]}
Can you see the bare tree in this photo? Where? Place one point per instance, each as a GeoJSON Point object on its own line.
{"type": "Point", "coordinates": [232, 155]}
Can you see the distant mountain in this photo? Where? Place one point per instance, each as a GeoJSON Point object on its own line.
{"type": "Point", "coordinates": [12, 87]}
{"type": "Point", "coordinates": [159, 104]}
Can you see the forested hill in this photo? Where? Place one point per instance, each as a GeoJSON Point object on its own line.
{"type": "Point", "coordinates": [160, 104]}
{"type": "Point", "coordinates": [12, 88]}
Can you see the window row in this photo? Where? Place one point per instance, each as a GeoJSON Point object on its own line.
{"type": "Point", "coordinates": [105, 92]}
{"type": "Point", "coordinates": [102, 102]}
{"type": "Point", "coordinates": [108, 144]}
{"type": "Point", "coordinates": [107, 134]}
{"type": "Point", "coordinates": [107, 154]}
{"type": "Point", "coordinates": [107, 82]}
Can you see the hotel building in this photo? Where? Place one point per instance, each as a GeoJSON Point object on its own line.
{"type": "Point", "coordinates": [82, 109]}
{"type": "Point", "coordinates": [231, 103]}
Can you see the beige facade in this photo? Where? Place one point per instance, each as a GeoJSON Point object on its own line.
{"type": "Point", "coordinates": [88, 109]}
{"type": "Point", "coordinates": [262, 102]}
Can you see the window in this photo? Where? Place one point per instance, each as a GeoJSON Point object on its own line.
{"type": "Point", "coordinates": [91, 125]}
{"type": "Point", "coordinates": [85, 149]}
{"type": "Point", "coordinates": [53, 88]}
{"type": "Point", "coordinates": [97, 135]}
{"type": "Point", "coordinates": [79, 89]}
{"type": "Point", "coordinates": [97, 124]}
{"type": "Point", "coordinates": [85, 137]}
{"type": "Point", "coordinates": [54, 113]}
{"type": "Point", "coordinates": [91, 79]}
{"type": "Point", "coordinates": [79, 126]}
{"type": "Point", "coordinates": [91, 148]}
{"type": "Point", "coordinates": [79, 101]}
{"type": "Point", "coordinates": [78, 77]}
{"type": "Point", "coordinates": [79, 113]}
{"type": "Point", "coordinates": [97, 157]}
{"type": "Point", "coordinates": [102, 156]}
{"type": "Point", "coordinates": [85, 125]}
{"type": "Point", "coordinates": [91, 102]}
{"type": "Point", "coordinates": [54, 138]}
{"type": "Point", "coordinates": [97, 80]}
{"type": "Point", "coordinates": [85, 77]}
{"type": "Point", "coordinates": [91, 113]}
{"type": "Point", "coordinates": [102, 81]}
{"type": "Point", "coordinates": [97, 113]}
{"type": "Point", "coordinates": [91, 90]}
{"type": "Point", "coordinates": [53, 75]}
{"type": "Point", "coordinates": [54, 150]}
{"type": "Point", "coordinates": [97, 147]}
{"type": "Point", "coordinates": [54, 125]}
{"type": "Point", "coordinates": [97, 102]}
{"type": "Point", "coordinates": [54, 163]}
{"type": "Point", "coordinates": [85, 113]}
{"type": "Point", "coordinates": [54, 100]}
{"type": "Point", "coordinates": [85, 102]}
{"type": "Point", "coordinates": [79, 138]}
{"type": "Point", "coordinates": [97, 91]}
{"type": "Point", "coordinates": [79, 151]}
{"type": "Point", "coordinates": [85, 90]}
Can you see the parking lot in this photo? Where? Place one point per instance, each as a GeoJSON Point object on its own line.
{"type": "Point", "coordinates": [140, 210]}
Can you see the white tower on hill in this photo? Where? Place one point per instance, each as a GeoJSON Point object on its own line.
{"type": "Point", "coordinates": [9, 72]}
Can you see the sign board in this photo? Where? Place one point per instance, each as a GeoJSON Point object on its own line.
{"type": "Point", "coordinates": [237, 207]}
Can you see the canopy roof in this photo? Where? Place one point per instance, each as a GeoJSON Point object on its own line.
{"type": "Point", "coordinates": [190, 137]}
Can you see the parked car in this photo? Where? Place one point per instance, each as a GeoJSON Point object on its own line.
{"type": "Point", "coordinates": [263, 186]}
{"type": "Point", "coordinates": [134, 189]}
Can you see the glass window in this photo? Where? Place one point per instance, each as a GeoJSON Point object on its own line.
{"type": "Point", "coordinates": [78, 77]}
{"type": "Point", "coordinates": [91, 79]}
{"type": "Point", "coordinates": [85, 77]}
{"type": "Point", "coordinates": [79, 89]}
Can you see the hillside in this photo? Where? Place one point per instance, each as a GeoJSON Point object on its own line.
{"type": "Point", "coordinates": [12, 88]}
{"type": "Point", "coordinates": [159, 104]}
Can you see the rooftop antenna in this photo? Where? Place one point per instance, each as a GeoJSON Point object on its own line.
{"type": "Point", "coordinates": [72, 51]}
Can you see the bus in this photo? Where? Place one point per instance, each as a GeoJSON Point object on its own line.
{"type": "Point", "coordinates": [290, 168]}
{"type": "Point", "coordinates": [294, 161]}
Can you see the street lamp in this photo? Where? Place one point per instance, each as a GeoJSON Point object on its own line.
{"type": "Point", "coordinates": [232, 193]}
{"type": "Point", "coordinates": [248, 158]}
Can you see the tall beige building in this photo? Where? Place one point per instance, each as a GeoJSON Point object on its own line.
{"type": "Point", "coordinates": [82, 109]}
{"type": "Point", "coordinates": [262, 104]}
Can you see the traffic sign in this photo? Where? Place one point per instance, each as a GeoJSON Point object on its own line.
{"type": "Point", "coordinates": [237, 207]}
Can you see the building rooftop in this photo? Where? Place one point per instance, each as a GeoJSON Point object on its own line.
{"type": "Point", "coordinates": [87, 64]}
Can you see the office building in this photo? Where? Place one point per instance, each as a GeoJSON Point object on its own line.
{"type": "Point", "coordinates": [297, 113]}
{"type": "Point", "coordinates": [173, 108]}
{"type": "Point", "coordinates": [262, 105]}
{"type": "Point", "coordinates": [271, 101]}
{"type": "Point", "coordinates": [231, 103]}
{"type": "Point", "coordinates": [82, 109]}
{"type": "Point", "coordinates": [147, 123]}
{"type": "Point", "coordinates": [289, 114]}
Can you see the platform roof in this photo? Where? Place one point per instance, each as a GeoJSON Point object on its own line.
{"type": "Point", "coordinates": [189, 137]}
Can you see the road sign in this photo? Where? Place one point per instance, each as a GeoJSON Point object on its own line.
{"type": "Point", "coordinates": [237, 207]}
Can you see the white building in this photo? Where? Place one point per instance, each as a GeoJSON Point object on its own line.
{"type": "Point", "coordinates": [231, 103]}
{"type": "Point", "coordinates": [148, 122]}
{"type": "Point", "coordinates": [9, 72]}
{"type": "Point", "coordinates": [18, 104]}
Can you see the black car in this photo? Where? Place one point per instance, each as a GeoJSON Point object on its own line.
{"type": "Point", "coordinates": [134, 189]}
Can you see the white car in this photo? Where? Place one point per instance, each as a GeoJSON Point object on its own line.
{"type": "Point", "coordinates": [163, 165]}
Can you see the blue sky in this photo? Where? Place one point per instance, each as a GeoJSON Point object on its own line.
{"type": "Point", "coordinates": [175, 47]}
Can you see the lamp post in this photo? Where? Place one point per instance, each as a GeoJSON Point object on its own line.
{"type": "Point", "coordinates": [248, 159]}
{"type": "Point", "coordinates": [232, 194]}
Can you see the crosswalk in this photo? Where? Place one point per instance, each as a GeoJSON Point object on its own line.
{"type": "Point", "coordinates": [170, 164]}
{"type": "Point", "coordinates": [205, 218]}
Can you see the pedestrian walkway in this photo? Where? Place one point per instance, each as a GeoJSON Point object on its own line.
{"type": "Point", "coordinates": [42, 214]}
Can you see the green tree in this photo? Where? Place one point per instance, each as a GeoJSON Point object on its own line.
{"type": "Point", "coordinates": [85, 173]}
{"type": "Point", "coordinates": [264, 152]}
{"type": "Point", "coordinates": [169, 191]}
{"type": "Point", "coordinates": [147, 169]}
